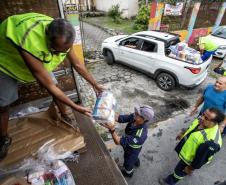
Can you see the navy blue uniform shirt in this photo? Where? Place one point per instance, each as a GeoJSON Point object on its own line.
{"type": "Point", "coordinates": [135, 136]}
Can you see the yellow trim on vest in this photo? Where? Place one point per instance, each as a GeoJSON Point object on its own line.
{"type": "Point", "coordinates": [135, 146]}
{"type": "Point", "coordinates": [139, 132]}
{"type": "Point", "coordinates": [177, 177]}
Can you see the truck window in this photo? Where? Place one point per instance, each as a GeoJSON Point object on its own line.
{"type": "Point", "coordinates": [131, 43]}
{"type": "Point", "coordinates": [173, 41]}
{"type": "Point", "coordinates": [148, 46]}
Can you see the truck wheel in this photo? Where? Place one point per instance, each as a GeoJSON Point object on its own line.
{"type": "Point", "coordinates": [165, 81]}
{"type": "Point", "coordinates": [109, 58]}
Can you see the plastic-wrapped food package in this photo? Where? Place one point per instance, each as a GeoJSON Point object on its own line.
{"type": "Point", "coordinates": [59, 174]}
{"type": "Point", "coordinates": [104, 109]}
{"type": "Point", "coordinates": [181, 46]}
{"type": "Point", "coordinates": [183, 52]}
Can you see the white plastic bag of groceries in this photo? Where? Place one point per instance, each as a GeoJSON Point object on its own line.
{"type": "Point", "coordinates": [104, 109]}
{"type": "Point", "coordinates": [59, 174]}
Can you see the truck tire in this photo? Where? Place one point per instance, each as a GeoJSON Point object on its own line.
{"type": "Point", "coordinates": [109, 57]}
{"type": "Point", "coordinates": [165, 81]}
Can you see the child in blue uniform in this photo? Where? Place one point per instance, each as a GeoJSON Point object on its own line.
{"type": "Point", "coordinates": [135, 136]}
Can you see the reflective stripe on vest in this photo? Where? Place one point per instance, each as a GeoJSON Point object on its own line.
{"type": "Point", "coordinates": [176, 176]}
{"type": "Point", "coordinates": [138, 134]}
{"type": "Point", "coordinates": [135, 146]}
{"type": "Point", "coordinates": [129, 172]}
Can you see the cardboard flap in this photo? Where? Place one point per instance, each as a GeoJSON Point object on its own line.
{"type": "Point", "coordinates": [31, 132]}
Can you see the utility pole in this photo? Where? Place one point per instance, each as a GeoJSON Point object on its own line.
{"type": "Point", "coordinates": [193, 19]}
{"type": "Point", "coordinates": [186, 7]}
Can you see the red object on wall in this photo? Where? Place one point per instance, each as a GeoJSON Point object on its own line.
{"type": "Point", "coordinates": [153, 9]}
{"type": "Point", "coordinates": [197, 33]}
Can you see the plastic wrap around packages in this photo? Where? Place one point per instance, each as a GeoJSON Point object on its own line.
{"type": "Point", "coordinates": [104, 109]}
{"type": "Point", "coordinates": [45, 167]}
{"type": "Point", "coordinates": [59, 174]}
{"type": "Point", "coordinates": [183, 52]}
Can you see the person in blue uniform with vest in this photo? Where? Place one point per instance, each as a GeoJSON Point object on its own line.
{"type": "Point", "coordinates": [135, 136]}
{"type": "Point", "coordinates": [197, 145]}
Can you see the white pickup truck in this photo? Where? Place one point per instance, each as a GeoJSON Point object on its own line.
{"type": "Point", "coordinates": [148, 52]}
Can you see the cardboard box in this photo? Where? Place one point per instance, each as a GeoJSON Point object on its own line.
{"type": "Point", "coordinates": [31, 132]}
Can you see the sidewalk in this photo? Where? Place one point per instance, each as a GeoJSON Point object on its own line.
{"type": "Point", "coordinates": [158, 157]}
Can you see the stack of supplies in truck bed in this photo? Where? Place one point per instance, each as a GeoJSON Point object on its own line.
{"type": "Point", "coordinates": [181, 51]}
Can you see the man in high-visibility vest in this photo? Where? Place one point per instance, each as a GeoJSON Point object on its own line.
{"type": "Point", "coordinates": [191, 150]}
{"type": "Point", "coordinates": [31, 46]}
{"type": "Point", "coordinates": [135, 136]}
{"type": "Point", "coordinates": [207, 47]}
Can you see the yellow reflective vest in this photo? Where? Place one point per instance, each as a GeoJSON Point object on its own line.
{"type": "Point", "coordinates": [188, 150]}
{"type": "Point", "coordinates": [207, 44]}
{"type": "Point", "coordinates": [26, 31]}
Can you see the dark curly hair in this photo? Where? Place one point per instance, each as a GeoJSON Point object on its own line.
{"type": "Point", "coordinates": [219, 115]}
{"type": "Point", "coordinates": [60, 28]}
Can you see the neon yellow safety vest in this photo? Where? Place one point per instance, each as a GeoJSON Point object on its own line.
{"type": "Point", "coordinates": [26, 31]}
{"type": "Point", "coordinates": [209, 44]}
{"type": "Point", "coordinates": [188, 151]}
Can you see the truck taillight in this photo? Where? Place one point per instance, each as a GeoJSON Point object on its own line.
{"type": "Point", "coordinates": [193, 70]}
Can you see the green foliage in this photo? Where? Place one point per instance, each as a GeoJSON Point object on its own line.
{"type": "Point", "coordinates": [141, 20]}
{"type": "Point", "coordinates": [172, 2]}
{"type": "Point", "coordinates": [115, 13]}
{"type": "Point", "coordinates": [141, 2]}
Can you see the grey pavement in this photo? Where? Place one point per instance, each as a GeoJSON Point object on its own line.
{"type": "Point", "coordinates": [93, 37]}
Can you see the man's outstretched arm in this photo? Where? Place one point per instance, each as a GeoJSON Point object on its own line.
{"type": "Point", "coordinates": [41, 74]}
{"type": "Point", "coordinates": [81, 69]}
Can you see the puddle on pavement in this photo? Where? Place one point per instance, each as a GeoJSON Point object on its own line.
{"type": "Point", "coordinates": [170, 106]}
{"type": "Point", "coordinates": [164, 106]}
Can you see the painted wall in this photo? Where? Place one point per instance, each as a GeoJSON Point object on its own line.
{"type": "Point", "coordinates": [195, 33]}
{"type": "Point", "coordinates": [129, 7]}
{"type": "Point", "coordinates": [157, 9]}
